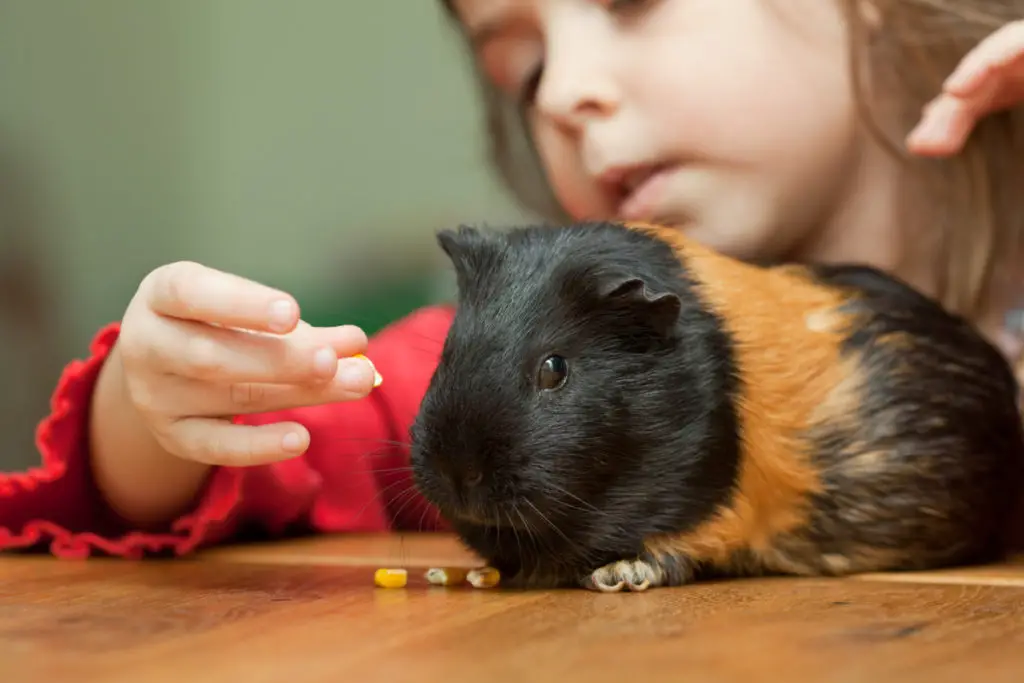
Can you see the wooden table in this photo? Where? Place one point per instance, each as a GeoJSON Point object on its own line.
{"type": "Point", "coordinates": [308, 611]}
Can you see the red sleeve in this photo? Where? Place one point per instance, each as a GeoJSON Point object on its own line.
{"type": "Point", "coordinates": [329, 488]}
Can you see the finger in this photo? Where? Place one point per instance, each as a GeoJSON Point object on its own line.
{"type": "Point", "coordinates": [354, 380]}
{"type": "Point", "coordinates": [943, 129]}
{"type": "Point", "coordinates": [219, 442]}
{"type": "Point", "coordinates": [346, 340]}
{"type": "Point", "coordinates": [216, 354]}
{"type": "Point", "coordinates": [190, 291]}
{"type": "Point", "coordinates": [995, 52]}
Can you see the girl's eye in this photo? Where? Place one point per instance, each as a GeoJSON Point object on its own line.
{"type": "Point", "coordinates": [553, 373]}
{"type": "Point", "coordinates": [528, 92]}
{"type": "Point", "coordinates": [628, 6]}
{"type": "Point", "coordinates": [616, 5]}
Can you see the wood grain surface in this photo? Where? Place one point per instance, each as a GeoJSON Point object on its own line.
{"type": "Point", "coordinates": [308, 611]}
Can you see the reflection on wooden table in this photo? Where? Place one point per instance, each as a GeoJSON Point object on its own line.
{"type": "Point", "coordinates": [308, 611]}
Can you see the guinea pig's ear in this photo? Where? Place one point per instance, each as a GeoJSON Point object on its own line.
{"type": "Point", "coordinates": [458, 245]}
{"type": "Point", "coordinates": [657, 310]}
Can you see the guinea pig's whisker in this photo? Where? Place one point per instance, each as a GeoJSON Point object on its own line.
{"type": "Point", "coordinates": [386, 442]}
{"type": "Point", "coordinates": [589, 507]}
{"type": "Point", "coordinates": [423, 518]}
{"type": "Point", "coordinates": [374, 470]}
{"type": "Point", "coordinates": [605, 519]}
{"type": "Point", "coordinates": [515, 532]}
{"type": "Point", "coordinates": [427, 337]}
{"type": "Point", "coordinates": [526, 524]}
{"type": "Point", "coordinates": [558, 500]}
{"type": "Point", "coordinates": [564, 508]}
{"type": "Point", "coordinates": [424, 350]}
{"type": "Point", "coordinates": [377, 496]}
{"type": "Point", "coordinates": [407, 499]}
{"type": "Point", "coordinates": [551, 524]}
{"type": "Point", "coordinates": [380, 452]}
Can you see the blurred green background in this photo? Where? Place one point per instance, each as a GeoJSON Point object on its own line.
{"type": "Point", "coordinates": [314, 145]}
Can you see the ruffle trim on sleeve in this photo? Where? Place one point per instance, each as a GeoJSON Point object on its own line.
{"type": "Point", "coordinates": [58, 504]}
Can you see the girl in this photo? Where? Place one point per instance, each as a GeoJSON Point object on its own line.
{"type": "Point", "coordinates": [770, 129]}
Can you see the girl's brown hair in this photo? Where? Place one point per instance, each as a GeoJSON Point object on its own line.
{"type": "Point", "coordinates": [967, 210]}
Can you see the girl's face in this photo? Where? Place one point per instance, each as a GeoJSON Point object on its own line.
{"type": "Point", "coordinates": [733, 119]}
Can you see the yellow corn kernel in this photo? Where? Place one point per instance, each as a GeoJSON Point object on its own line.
{"type": "Point", "coordinates": [445, 576]}
{"type": "Point", "coordinates": [484, 577]}
{"type": "Point", "coordinates": [390, 578]}
{"type": "Point", "coordinates": [377, 379]}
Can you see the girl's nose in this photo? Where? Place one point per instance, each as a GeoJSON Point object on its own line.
{"type": "Point", "coordinates": [578, 82]}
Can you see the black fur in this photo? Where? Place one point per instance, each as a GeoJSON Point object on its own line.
{"type": "Point", "coordinates": [642, 438]}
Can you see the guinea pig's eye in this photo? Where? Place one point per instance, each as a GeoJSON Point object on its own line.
{"type": "Point", "coordinates": [553, 373]}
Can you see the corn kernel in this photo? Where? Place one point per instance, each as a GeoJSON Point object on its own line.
{"type": "Point", "coordinates": [377, 379]}
{"type": "Point", "coordinates": [484, 577]}
{"type": "Point", "coordinates": [446, 576]}
{"type": "Point", "coordinates": [390, 578]}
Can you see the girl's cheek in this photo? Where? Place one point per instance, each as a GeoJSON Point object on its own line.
{"type": "Point", "coordinates": [555, 159]}
{"type": "Point", "coordinates": [575, 192]}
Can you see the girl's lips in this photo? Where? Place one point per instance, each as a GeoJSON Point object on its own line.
{"type": "Point", "coordinates": [641, 202]}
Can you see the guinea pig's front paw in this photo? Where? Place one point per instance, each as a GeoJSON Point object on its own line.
{"type": "Point", "coordinates": [631, 575]}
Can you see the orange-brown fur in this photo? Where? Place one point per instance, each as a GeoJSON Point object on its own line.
{"type": "Point", "coordinates": [787, 333]}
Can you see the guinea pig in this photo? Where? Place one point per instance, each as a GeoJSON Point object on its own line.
{"type": "Point", "coordinates": [617, 407]}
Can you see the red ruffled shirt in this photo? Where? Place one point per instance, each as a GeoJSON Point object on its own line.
{"type": "Point", "coordinates": [352, 477]}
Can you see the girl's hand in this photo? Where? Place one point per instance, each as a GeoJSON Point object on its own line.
{"type": "Point", "coordinates": [989, 79]}
{"type": "Point", "coordinates": [198, 346]}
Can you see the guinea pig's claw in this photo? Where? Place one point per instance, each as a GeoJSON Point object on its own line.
{"type": "Point", "coordinates": [606, 587]}
{"type": "Point", "coordinates": [635, 576]}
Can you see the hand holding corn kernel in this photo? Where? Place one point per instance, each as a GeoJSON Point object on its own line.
{"type": "Point", "coordinates": [198, 346]}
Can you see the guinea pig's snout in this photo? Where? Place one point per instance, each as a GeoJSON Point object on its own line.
{"type": "Point", "coordinates": [466, 485]}
{"type": "Point", "coordinates": [469, 492]}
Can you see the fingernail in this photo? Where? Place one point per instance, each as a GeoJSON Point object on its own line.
{"type": "Point", "coordinates": [933, 128]}
{"type": "Point", "coordinates": [916, 136]}
{"type": "Point", "coordinates": [959, 79]}
{"type": "Point", "coordinates": [354, 376]}
{"type": "Point", "coordinates": [325, 362]}
{"type": "Point", "coordinates": [281, 315]}
{"type": "Point", "coordinates": [292, 442]}
{"type": "Point", "coordinates": [377, 379]}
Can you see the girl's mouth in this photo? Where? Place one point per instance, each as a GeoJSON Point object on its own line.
{"type": "Point", "coordinates": [642, 191]}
